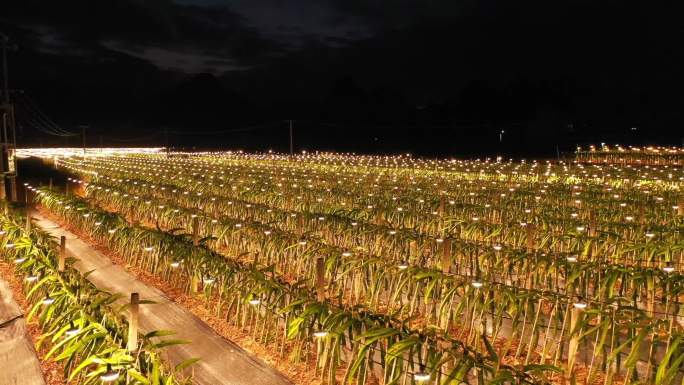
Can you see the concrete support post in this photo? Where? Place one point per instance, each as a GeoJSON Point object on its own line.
{"type": "Point", "coordinates": [13, 189]}
{"type": "Point", "coordinates": [446, 256]}
{"type": "Point", "coordinates": [531, 232]}
{"type": "Point", "coordinates": [575, 314]}
{"type": "Point", "coordinates": [28, 219]}
{"type": "Point", "coordinates": [195, 231]}
{"type": "Point", "coordinates": [62, 253]}
{"type": "Point", "coordinates": [133, 322]}
{"type": "Point", "coordinates": [320, 279]}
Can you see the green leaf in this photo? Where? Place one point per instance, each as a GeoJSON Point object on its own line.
{"type": "Point", "coordinates": [634, 353]}
{"type": "Point", "coordinates": [136, 375]}
{"type": "Point", "coordinates": [166, 343]}
{"type": "Point", "coordinates": [84, 364]}
{"type": "Point", "coordinates": [663, 374]}
{"type": "Point", "coordinates": [186, 363]}
{"type": "Point", "coordinates": [159, 333]}
{"type": "Point", "coordinates": [293, 327]}
{"type": "Point", "coordinates": [397, 348]}
{"type": "Point", "coordinates": [541, 368]}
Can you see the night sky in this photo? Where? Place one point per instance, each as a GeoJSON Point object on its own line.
{"type": "Point", "coordinates": [432, 77]}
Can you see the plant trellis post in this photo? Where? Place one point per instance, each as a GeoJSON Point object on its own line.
{"type": "Point", "coordinates": [446, 255]}
{"type": "Point", "coordinates": [133, 322]}
{"type": "Point", "coordinates": [195, 231]}
{"type": "Point", "coordinates": [530, 237]}
{"type": "Point", "coordinates": [62, 253]}
{"type": "Point", "coordinates": [575, 314]}
{"type": "Point", "coordinates": [320, 279]}
{"type": "Point", "coordinates": [28, 220]}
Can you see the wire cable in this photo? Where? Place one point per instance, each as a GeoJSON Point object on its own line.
{"type": "Point", "coordinates": [37, 118]}
{"type": "Point", "coordinates": [33, 105]}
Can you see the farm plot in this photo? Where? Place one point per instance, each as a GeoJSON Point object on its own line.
{"type": "Point", "coordinates": [395, 269]}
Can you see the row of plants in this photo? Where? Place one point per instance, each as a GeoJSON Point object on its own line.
{"type": "Point", "coordinates": [177, 209]}
{"type": "Point", "coordinates": [456, 257]}
{"type": "Point", "coordinates": [576, 238]}
{"type": "Point", "coordinates": [657, 251]}
{"type": "Point", "coordinates": [540, 325]}
{"type": "Point", "coordinates": [438, 170]}
{"type": "Point", "coordinates": [82, 327]}
{"type": "Point", "coordinates": [398, 181]}
{"type": "Point", "coordinates": [632, 155]}
{"type": "Point", "coordinates": [654, 250]}
{"type": "Point", "coordinates": [429, 189]}
{"type": "Point", "coordinates": [289, 315]}
{"type": "Point", "coordinates": [397, 165]}
{"type": "Point", "coordinates": [616, 211]}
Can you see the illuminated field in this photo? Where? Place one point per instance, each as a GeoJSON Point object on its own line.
{"type": "Point", "coordinates": [393, 269]}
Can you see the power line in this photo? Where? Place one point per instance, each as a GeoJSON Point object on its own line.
{"type": "Point", "coordinates": [40, 120]}
{"type": "Point", "coordinates": [31, 119]}
{"type": "Point", "coordinates": [32, 104]}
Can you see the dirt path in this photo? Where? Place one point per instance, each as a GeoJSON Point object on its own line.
{"type": "Point", "coordinates": [21, 364]}
{"type": "Point", "coordinates": [222, 361]}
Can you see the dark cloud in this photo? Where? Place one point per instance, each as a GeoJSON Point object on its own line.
{"type": "Point", "coordinates": [489, 62]}
{"type": "Point", "coordinates": [243, 32]}
{"type": "Point", "coordinates": [165, 33]}
{"type": "Point", "coordinates": [295, 24]}
{"type": "Point", "coordinates": [190, 61]}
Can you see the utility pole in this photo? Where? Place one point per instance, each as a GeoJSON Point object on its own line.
{"type": "Point", "coordinates": [5, 82]}
{"type": "Point", "coordinates": [8, 138]}
{"type": "Point", "coordinates": [5, 101]}
{"type": "Point", "coordinates": [291, 140]}
{"type": "Point", "coordinates": [2, 169]}
{"type": "Point", "coordinates": [166, 140]}
{"type": "Point", "coordinates": [83, 135]}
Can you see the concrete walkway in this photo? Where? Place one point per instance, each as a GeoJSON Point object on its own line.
{"type": "Point", "coordinates": [222, 361]}
{"type": "Point", "coordinates": [20, 363]}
